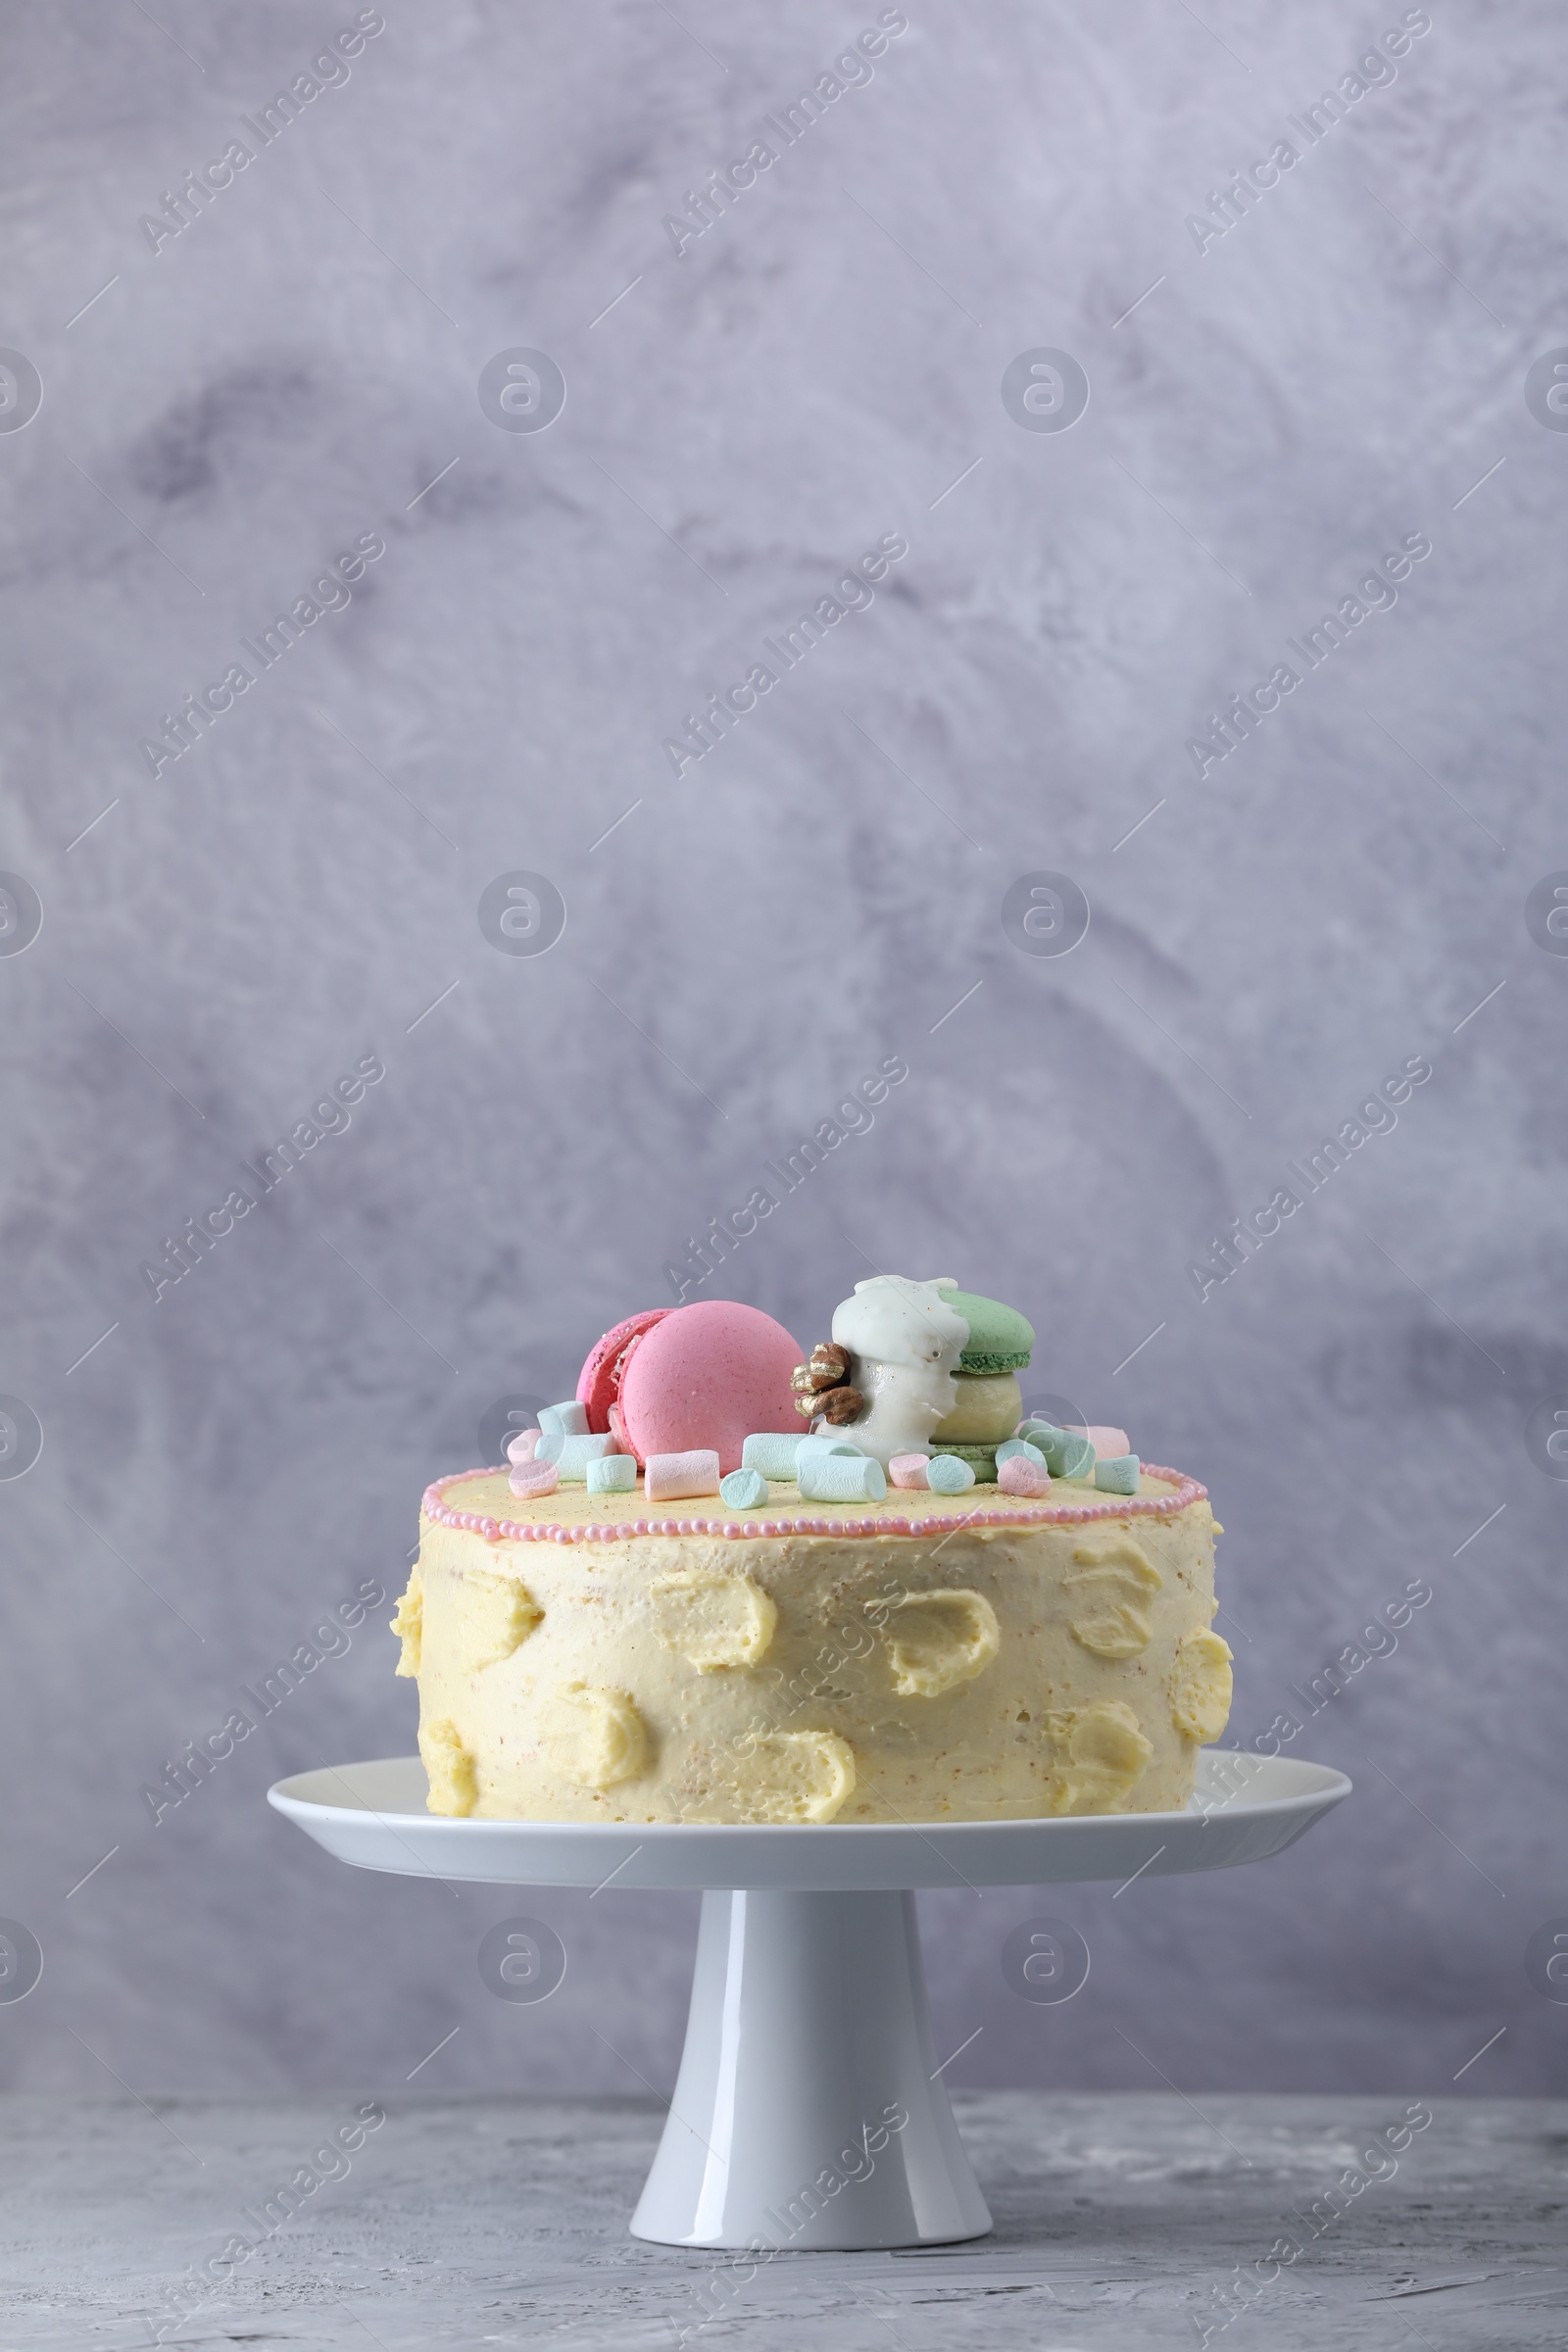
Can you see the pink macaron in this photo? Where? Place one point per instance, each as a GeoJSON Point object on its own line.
{"type": "Point", "coordinates": [598, 1381]}
{"type": "Point", "coordinates": [709, 1375]}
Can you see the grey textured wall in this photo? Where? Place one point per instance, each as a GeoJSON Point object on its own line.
{"type": "Point", "coordinates": [1342, 370]}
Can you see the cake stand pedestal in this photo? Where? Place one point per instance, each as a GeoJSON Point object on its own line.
{"type": "Point", "coordinates": [810, 2111]}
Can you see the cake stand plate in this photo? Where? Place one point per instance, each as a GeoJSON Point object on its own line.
{"type": "Point", "coordinates": [810, 2111]}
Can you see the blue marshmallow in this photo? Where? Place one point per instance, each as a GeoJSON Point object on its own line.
{"type": "Point", "coordinates": [1031, 1452]}
{"type": "Point", "coordinates": [840, 1478]}
{"type": "Point", "coordinates": [569, 1420]}
{"type": "Point", "coordinates": [772, 1452]}
{"type": "Point", "coordinates": [610, 1473]}
{"type": "Point", "coordinates": [744, 1488]}
{"type": "Point", "coordinates": [948, 1473]}
{"type": "Point", "coordinates": [815, 1449]}
{"type": "Point", "coordinates": [1067, 1453]}
{"type": "Point", "coordinates": [573, 1455]}
{"type": "Point", "coordinates": [1118, 1475]}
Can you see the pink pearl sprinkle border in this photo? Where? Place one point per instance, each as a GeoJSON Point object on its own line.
{"type": "Point", "coordinates": [1061, 1515]}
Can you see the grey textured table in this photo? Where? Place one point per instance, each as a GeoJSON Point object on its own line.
{"type": "Point", "coordinates": [1120, 2221]}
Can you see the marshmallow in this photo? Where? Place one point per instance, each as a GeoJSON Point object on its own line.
{"type": "Point", "coordinates": [572, 1456]}
{"type": "Point", "coordinates": [746, 1487]}
{"type": "Point", "coordinates": [908, 1469]}
{"type": "Point", "coordinates": [1119, 1476]}
{"type": "Point", "coordinates": [1017, 1446]}
{"type": "Point", "coordinates": [569, 1420]}
{"type": "Point", "coordinates": [523, 1448]}
{"type": "Point", "coordinates": [533, 1479]}
{"type": "Point", "coordinates": [820, 1441]}
{"type": "Point", "coordinates": [1108, 1443]}
{"type": "Point", "coordinates": [1068, 1453]}
{"type": "Point", "coordinates": [948, 1473]}
{"type": "Point", "coordinates": [610, 1474]}
{"type": "Point", "coordinates": [840, 1478]}
{"type": "Point", "coordinates": [1077, 1458]}
{"type": "Point", "coordinates": [772, 1452]}
{"type": "Point", "coordinates": [672, 1475]}
{"type": "Point", "coordinates": [1023, 1473]}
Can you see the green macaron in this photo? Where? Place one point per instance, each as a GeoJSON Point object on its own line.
{"type": "Point", "coordinates": [1000, 1339]}
{"type": "Point", "coordinates": [982, 1459]}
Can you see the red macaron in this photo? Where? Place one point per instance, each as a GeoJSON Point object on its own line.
{"type": "Point", "coordinates": [707, 1375]}
{"type": "Point", "coordinates": [598, 1381]}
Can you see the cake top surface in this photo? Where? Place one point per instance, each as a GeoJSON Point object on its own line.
{"type": "Point", "coordinates": [483, 1503]}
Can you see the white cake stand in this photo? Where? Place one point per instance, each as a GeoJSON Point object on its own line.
{"type": "Point", "coordinates": [809, 2036]}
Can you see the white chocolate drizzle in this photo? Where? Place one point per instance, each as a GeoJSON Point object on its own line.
{"type": "Point", "coordinates": [904, 1341]}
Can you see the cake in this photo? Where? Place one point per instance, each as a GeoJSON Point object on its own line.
{"type": "Point", "coordinates": [734, 1581]}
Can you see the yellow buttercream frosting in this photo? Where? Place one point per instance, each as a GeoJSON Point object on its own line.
{"type": "Point", "coordinates": [448, 1767]}
{"type": "Point", "coordinates": [936, 1640]}
{"type": "Point", "coordinates": [713, 1620]}
{"type": "Point", "coordinates": [774, 1776]}
{"type": "Point", "coordinates": [409, 1626]}
{"type": "Point", "coordinates": [1200, 1686]}
{"type": "Point", "coordinates": [974, 1672]}
{"type": "Point", "coordinates": [1104, 1753]}
{"type": "Point", "coordinates": [591, 1738]}
{"type": "Point", "coordinates": [1113, 1584]}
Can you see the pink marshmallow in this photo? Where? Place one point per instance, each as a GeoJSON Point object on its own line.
{"type": "Point", "coordinates": [669, 1476]}
{"type": "Point", "coordinates": [522, 1447]}
{"type": "Point", "coordinates": [1109, 1444]}
{"type": "Point", "coordinates": [533, 1479]}
{"type": "Point", "coordinates": [908, 1470]}
{"type": "Point", "coordinates": [1018, 1475]}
